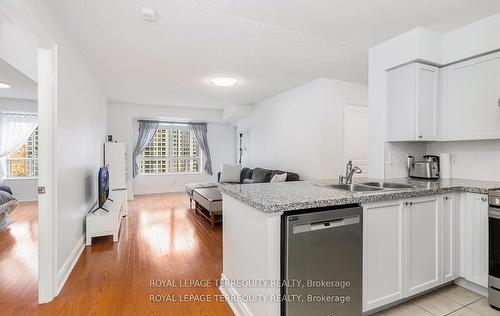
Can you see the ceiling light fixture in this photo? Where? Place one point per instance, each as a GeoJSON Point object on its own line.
{"type": "Point", "coordinates": [4, 85]}
{"type": "Point", "coordinates": [224, 81]}
{"type": "Point", "coordinates": [148, 15]}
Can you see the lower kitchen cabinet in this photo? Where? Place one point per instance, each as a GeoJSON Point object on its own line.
{"type": "Point", "coordinates": [422, 244]}
{"type": "Point", "coordinates": [476, 241]}
{"type": "Point", "coordinates": [450, 236]}
{"type": "Point", "coordinates": [383, 253]}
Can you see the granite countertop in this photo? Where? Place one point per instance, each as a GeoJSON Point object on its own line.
{"type": "Point", "coordinates": [289, 196]}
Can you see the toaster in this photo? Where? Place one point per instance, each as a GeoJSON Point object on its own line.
{"type": "Point", "coordinates": [428, 168]}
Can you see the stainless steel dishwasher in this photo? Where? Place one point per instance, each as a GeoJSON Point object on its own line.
{"type": "Point", "coordinates": [322, 262]}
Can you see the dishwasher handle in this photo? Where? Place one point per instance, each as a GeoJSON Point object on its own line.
{"type": "Point", "coordinates": [338, 222]}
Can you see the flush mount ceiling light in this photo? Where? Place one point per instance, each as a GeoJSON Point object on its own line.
{"type": "Point", "coordinates": [224, 81]}
{"type": "Point", "coordinates": [148, 15]}
{"type": "Point", "coordinates": [4, 85]}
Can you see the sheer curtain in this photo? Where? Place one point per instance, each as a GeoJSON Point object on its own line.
{"type": "Point", "coordinates": [147, 130]}
{"type": "Point", "coordinates": [200, 132]}
{"type": "Point", "coordinates": [15, 129]}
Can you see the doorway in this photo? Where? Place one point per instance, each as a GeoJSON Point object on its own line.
{"type": "Point", "coordinates": [25, 45]}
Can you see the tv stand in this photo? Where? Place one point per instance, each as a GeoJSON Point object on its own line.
{"type": "Point", "coordinates": [105, 221]}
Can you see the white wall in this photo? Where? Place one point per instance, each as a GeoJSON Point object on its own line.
{"type": "Point", "coordinates": [81, 129]}
{"type": "Point", "coordinates": [418, 44]}
{"type": "Point", "coordinates": [23, 189]}
{"type": "Point", "coordinates": [300, 130]}
{"type": "Point", "coordinates": [221, 138]}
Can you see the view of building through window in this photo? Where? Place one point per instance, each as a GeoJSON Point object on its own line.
{"type": "Point", "coordinates": [173, 149]}
{"type": "Point", "coordinates": [23, 162]}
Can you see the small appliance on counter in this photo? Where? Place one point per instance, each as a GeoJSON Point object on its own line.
{"type": "Point", "coordinates": [428, 168]}
{"type": "Point", "coordinates": [494, 248]}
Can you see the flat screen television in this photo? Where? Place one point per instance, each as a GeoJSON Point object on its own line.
{"type": "Point", "coordinates": [103, 184]}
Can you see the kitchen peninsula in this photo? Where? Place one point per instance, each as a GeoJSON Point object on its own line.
{"type": "Point", "coordinates": [414, 239]}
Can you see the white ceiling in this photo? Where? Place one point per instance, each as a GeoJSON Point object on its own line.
{"type": "Point", "coordinates": [22, 87]}
{"type": "Point", "coordinates": [270, 46]}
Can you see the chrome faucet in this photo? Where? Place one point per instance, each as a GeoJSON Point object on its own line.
{"type": "Point", "coordinates": [349, 173]}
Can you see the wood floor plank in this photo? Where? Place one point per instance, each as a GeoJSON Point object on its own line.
{"type": "Point", "coordinates": [159, 239]}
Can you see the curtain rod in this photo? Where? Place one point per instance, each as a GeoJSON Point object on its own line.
{"type": "Point", "coordinates": [172, 122]}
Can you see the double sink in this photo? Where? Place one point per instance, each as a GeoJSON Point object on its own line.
{"type": "Point", "coordinates": [371, 186]}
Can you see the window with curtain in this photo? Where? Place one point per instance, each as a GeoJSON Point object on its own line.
{"type": "Point", "coordinates": [23, 162]}
{"type": "Point", "coordinates": [173, 149]}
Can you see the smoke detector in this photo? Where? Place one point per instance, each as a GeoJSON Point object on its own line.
{"type": "Point", "coordinates": [148, 15]}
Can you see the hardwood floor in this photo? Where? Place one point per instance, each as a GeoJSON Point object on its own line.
{"type": "Point", "coordinates": [160, 239]}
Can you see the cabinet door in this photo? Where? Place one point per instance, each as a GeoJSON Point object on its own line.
{"type": "Point", "coordinates": [450, 214]}
{"type": "Point", "coordinates": [427, 100]}
{"type": "Point", "coordinates": [383, 254]}
{"type": "Point", "coordinates": [401, 103]}
{"type": "Point", "coordinates": [422, 245]}
{"type": "Point", "coordinates": [476, 244]}
{"type": "Point", "coordinates": [473, 98]}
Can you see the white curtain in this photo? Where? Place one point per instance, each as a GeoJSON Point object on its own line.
{"type": "Point", "coordinates": [15, 129]}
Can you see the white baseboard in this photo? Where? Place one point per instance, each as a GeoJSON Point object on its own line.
{"type": "Point", "coordinates": [238, 307]}
{"type": "Point", "coordinates": [472, 286]}
{"type": "Point", "coordinates": [63, 274]}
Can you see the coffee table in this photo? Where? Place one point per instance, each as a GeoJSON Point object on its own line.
{"type": "Point", "coordinates": [208, 202]}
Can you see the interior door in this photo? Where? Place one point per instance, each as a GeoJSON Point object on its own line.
{"type": "Point", "coordinates": [422, 244]}
{"type": "Point", "coordinates": [355, 139]}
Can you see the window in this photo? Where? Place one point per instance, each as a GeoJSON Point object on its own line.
{"type": "Point", "coordinates": [23, 162]}
{"type": "Point", "coordinates": [173, 149]}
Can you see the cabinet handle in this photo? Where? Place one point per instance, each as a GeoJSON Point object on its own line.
{"type": "Point", "coordinates": [411, 203]}
{"type": "Point", "coordinates": [498, 102]}
{"type": "Point", "coordinates": [419, 136]}
{"type": "Point", "coordinates": [406, 203]}
{"type": "Point", "coordinates": [483, 199]}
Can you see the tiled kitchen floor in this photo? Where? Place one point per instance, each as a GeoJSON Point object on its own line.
{"type": "Point", "coordinates": [452, 300]}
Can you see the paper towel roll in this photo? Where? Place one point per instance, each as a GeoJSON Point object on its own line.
{"type": "Point", "coordinates": [445, 165]}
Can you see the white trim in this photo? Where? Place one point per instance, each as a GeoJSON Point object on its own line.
{"type": "Point", "coordinates": [237, 306]}
{"type": "Point", "coordinates": [70, 263]}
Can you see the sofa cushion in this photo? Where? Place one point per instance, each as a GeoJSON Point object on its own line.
{"type": "Point", "coordinates": [261, 175]}
{"type": "Point", "coordinates": [230, 173]}
{"type": "Point", "coordinates": [191, 186]}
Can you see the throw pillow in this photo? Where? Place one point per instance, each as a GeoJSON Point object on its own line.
{"type": "Point", "coordinates": [260, 175]}
{"type": "Point", "coordinates": [248, 181]}
{"type": "Point", "coordinates": [279, 177]}
{"type": "Point", "coordinates": [230, 173]}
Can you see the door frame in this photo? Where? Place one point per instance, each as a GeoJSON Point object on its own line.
{"type": "Point", "coordinates": [24, 18]}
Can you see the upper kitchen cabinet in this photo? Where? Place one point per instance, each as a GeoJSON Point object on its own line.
{"type": "Point", "coordinates": [412, 102]}
{"type": "Point", "coordinates": [470, 99]}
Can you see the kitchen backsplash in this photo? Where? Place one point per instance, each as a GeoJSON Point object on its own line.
{"type": "Point", "coordinates": [479, 160]}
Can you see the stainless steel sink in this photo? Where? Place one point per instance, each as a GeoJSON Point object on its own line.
{"type": "Point", "coordinates": [354, 187]}
{"type": "Point", "coordinates": [387, 185]}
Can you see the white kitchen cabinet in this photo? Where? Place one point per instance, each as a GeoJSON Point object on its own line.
{"type": "Point", "coordinates": [383, 253]}
{"type": "Point", "coordinates": [422, 244]}
{"type": "Point", "coordinates": [450, 241]}
{"type": "Point", "coordinates": [476, 241]}
{"type": "Point", "coordinates": [412, 102]}
{"type": "Point", "coordinates": [470, 102]}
